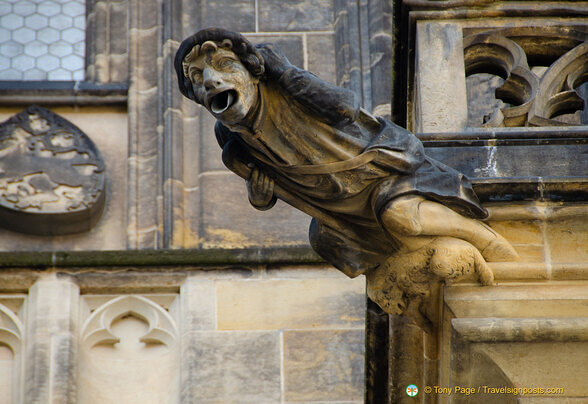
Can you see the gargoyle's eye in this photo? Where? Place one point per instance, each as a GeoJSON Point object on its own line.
{"type": "Point", "coordinates": [225, 62]}
{"type": "Point", "coordinates": [196, 75]}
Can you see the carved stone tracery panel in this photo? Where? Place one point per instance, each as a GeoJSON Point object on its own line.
{"type": "Point", "coordinates": [126, 343]}
{"type": "Point", "coordinates": [52, 177]}
{"type": "Point", "coordinates": [11, 340]}
{"type": "Point", "coordinates": [544, 74]}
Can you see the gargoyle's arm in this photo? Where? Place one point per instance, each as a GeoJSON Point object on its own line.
{"type": "Point", "coordinates": [331, 104]}
{"type": "Point", "coordinates": [260, 187]}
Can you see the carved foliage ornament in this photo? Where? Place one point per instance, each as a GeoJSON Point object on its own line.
{"type": "Point", "coordinates": [545, 72]}
{"type": "Point", "coordinates": [52, 178]}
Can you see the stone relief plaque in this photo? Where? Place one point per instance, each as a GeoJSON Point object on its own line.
{"type": "Point", "coordinates": [52, 177]}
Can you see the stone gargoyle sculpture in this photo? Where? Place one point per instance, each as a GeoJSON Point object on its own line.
{"type": "Point", "coordinates": [380, 206]}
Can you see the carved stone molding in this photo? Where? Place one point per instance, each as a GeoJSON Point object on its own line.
{"type": "Point", "coordinates": [52, 176]}
{"type": "Point", "coordinates": [544, 72]}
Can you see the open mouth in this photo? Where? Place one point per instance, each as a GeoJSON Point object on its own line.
{"type": "Point", "coordinates": [223, 101]}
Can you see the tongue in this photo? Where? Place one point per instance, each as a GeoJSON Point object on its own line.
{"type": "Point", "coordinates": [221, 102]}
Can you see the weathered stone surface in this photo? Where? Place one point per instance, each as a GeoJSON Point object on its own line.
{"type": "Point", "coordinates": [220, 367]}
{"type": "Point", "coordinates": [481, 100]}
{"type": "Point", "coordinates": [512, 160]}
{"type": "Point", "coordinates": [51, 344]}
{"type": "Point", "coordinates": [291, 45]}
{"type": "Point", "coordinates": [303, 272]}
{"type": "Point", "coordinates": [297, 15]}
{"type": "Point", "coordinates": [240, 14]}
{"type": "Point", "coordinates": [224, 226]}
{"type": "Point", "coordinates": [521, 301]}
{"type": "Point", "coordinates": [211, 153]}
{"type": "Point", "coordinates": [321, 56]}
{"type": "Point", "coordinates": [198, 305]}
{"type": "Point", "coordinates": [217, 13]}
{"type": "Point", "coordinates": [118, 16]}
{"type": "Point", "coordinates": [520, 232]}
{"type": "Point", "coordinates": [568, 239]}
{"type": "Point", "coordinates": [526, 237]}
{"type": "Point", "coordinates": [541, 364]}
{"type": "Point", "coordinates": [380, 16]}
{"type": "Point", "coordinates": [125, 281]}
{"type": "Point", "coordinates": [191, 219]}
{"type": "Point", "coordinates": [323, 365]}
{"type": "Point", "coordinates": [441, 91]}
{"type": "Point", "coordinates": [144, 74]}
{"type": "Point", "coordinates": [295, 304]}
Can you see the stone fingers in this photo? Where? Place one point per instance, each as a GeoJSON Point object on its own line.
{"type": "Point", "coordinates": [483, 270]}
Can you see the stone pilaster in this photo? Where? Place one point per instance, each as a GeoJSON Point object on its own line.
{"type": "Point", "coordinates": [107, 49]}
{"type": "Point", "coordinates": [145, 207]}
{"type": "Point", "coordinates": [51, 347]}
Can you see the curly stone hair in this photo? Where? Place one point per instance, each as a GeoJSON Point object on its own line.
{"type": "Point", "coordinates": [245, 51]}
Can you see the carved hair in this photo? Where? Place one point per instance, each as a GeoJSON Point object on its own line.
{"type": "Point", "coordinates": [211, 39]}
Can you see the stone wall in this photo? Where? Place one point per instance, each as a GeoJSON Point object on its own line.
{"type": "Point", "coordinates": [182, 292]}
{"type": "Point", "coordinates": [232, 335]}
{"type": "Point", "coordinates": [154, 308]}
{"type": "Point", "coordinates": [524, 339]}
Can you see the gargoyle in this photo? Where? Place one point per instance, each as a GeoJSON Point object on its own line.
{"type": "Point", "coordinates": [380, 206]}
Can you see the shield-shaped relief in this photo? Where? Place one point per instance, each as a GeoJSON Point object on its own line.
{"type": "Point", "coordinates": [52, 177]}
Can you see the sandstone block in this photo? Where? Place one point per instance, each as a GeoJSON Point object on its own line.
{"type": "Point", "coordinates": [238, 15]}
{"type": "Point", "coordinates": [321, 56]}
{"type": "Point", "coordinates": [291, 45]}
{"type": "Point", "coordinates": [291, 304]}
{"type": "Point", "coordinates": [228, 220]}
{"type": "Point", "coordinates": [197, 305]}
{"type": "Point", "coordinates": [323, 365]}
{"type": "Point", "coordinates": [296, 15]}
{"type": "Point", "coordinates": [223, 367]}
{"type": "Point", "coordinates": [568, 240]}
{"type": "Point", "coordinates": [442, 100]}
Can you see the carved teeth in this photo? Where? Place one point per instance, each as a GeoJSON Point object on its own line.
{"type": "Point", "coordinates": [222, 101]}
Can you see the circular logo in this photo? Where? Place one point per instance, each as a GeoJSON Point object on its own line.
{"type": "Point", "coordinates": [412, 390]}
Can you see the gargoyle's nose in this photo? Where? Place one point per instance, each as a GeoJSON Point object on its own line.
{"type": "Point", "coordinates": [211, 80]}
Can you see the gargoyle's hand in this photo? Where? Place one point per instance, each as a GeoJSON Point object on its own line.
{"type": "Point", "coordinates": [275, 62]}
{"type": "Point", "coordinates": [260, 188]}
